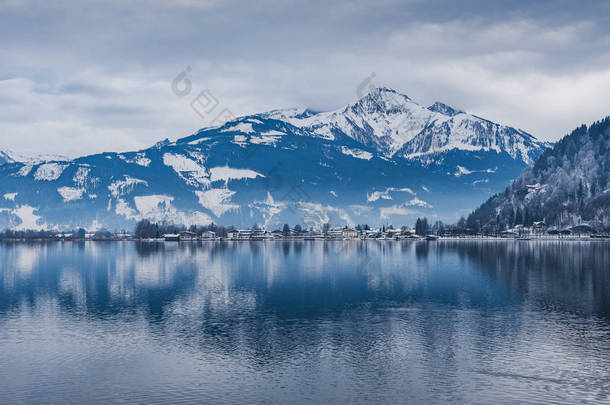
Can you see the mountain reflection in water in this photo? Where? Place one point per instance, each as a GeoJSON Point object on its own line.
{"type": "Point", "coordinates": [305, 322]}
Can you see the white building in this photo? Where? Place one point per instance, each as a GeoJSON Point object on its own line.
{"type": "Point", "coordinates": [208, 235]}
{"type": "Point", "coordinates": [349, 233]}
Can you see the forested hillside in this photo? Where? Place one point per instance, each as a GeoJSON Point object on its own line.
{"type": "Point", "coordinates": [567, 185]}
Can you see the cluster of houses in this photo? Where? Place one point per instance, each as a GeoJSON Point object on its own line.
{"type": "Point", "coordinates": [263, 234]}
{"type": "Point", "coordinates": [537, 230]}
{"type": "Point", "coordinates": [541, 229]}
{"type": "Point", "coordinates": [190, 236]}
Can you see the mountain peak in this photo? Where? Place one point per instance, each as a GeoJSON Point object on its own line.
{"type": "Point", "coordinates": [382, 99]}
{"type": "Point", "coordinates": [286, 113]}
{"type": "Point", "coordinates": [384, 93]}
{"type": "Point", "coordinates": [444, 109]}
{"type": "Point", "coordinates": [162, 143]}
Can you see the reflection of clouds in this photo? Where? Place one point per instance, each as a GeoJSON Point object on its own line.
{"type": "Point", "coordinates": [18, 261]}
{"type": "Point", "coordinates": [567, 273]}
{"type": "Point", "coordinates": [26, 259]}
{"type": "Point", "coordinates": [457, 315]}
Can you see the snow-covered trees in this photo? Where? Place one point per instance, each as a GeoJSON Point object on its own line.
{"type": "Point", "coordinates": [567, 185]}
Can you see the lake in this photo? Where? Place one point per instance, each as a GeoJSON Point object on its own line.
{"type": "Point", "coordinates": [305, 322]}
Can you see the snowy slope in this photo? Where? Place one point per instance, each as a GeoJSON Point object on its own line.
{"type": "Point", "coordinates": [568, 185]}
{"type": "Point", "coordinates": [285, 166]}
{"type": "Point", "coordinates": [5, 158]}
{"type": "Point", "coordinates": [395, 125]}
{"type": "Point", "coordinates": [8, 156]}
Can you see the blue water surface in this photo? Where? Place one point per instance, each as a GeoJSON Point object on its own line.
{"type": "Point", "coordinates": [305, 322]}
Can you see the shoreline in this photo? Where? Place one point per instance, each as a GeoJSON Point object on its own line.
{"type": "Point", "coordinates": [439, 239]}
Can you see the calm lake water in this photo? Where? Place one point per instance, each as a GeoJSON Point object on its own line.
{"type": "Point", "coordinates": [305, 322]}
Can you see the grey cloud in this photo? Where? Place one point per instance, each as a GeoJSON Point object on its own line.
{"type": "Point", "coordinates": [78, 69]}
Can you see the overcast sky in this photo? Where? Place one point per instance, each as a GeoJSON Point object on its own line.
{"type": "Point", "coordinates": [80, 77]}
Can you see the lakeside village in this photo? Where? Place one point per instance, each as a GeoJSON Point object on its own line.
{"type": "Point", "coordinates": [149, 231]}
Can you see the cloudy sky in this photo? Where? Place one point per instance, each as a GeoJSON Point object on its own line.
{"type": "Point", "coordinates": [80, 77]}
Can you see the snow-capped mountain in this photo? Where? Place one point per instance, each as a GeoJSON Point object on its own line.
{"type": "Point", "coordinates": [382, 159]}
{"type": "Point", "coordinates": [8, 156]}
{"type": "Point", "coordinates": [395, 125]}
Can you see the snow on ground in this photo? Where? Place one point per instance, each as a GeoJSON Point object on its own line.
{"type": "Point", "coordinates": [29, 220]}
{"type": "Point", "coordinates": [191, 171]}
{"type": "Point", "coordinates": [468, 132]}
{"type": "Point", "coordinates": [228, 173]}
{"type": "Point", "coordinates": [122, 187]}
{"type": "Point", "coordinates": [317, 215]}
{"type": "Point", "coordinates": [10, 196]}
{"type": "Point", "coordinates": [217, 200]}
{"type": "Point", "coordinates": [198, 156]}
{"type": "Point", "coordinates": [357, 153]}
{"type": "Point", "coordinates": [71, 193]}
{"type": "Point", "coordinates": [159, 208]}
{"type": "Point", "coordinates": [385, 195]}
{"type": "Point", "coordinates": [151, 205]}
{"type": "Point", "coordinates": [122, 208]}
{"type": "Point", "coordinates": [139, 159]}
{"type": "Point", "coordinates": [385, 114]}
{"type": "Point", "coordinates": [283, 113]}
{"type": "Point", "coordinates": [32, 160]}
{"type": "Point", "coordinates": [264, 139]}
{"type": "Point", "coordinates": [25, 170]}
{"type": "Point", "coordinates": [49, 171]}
{"type": "Point", "coordinates": [462, 171]}
{"type": "Point", "coordinates": [181, 163]}
{"type": "Point", "coordinates": [392, 120]}
{"type": "Point", "coordinates": [244, 127]}
{"type": "Point", "coordinates": [240, 140]}
{"type": "Point", "coordinates": [80, 177]}
{"type": "Point", "coordinates": [533, 189]}
{"type": "Point", "coordinates": [198, 141]}
{"type": "Point", "coordinates": [272, 132]}
{"type": "Point", "coordinates": [142, 161]}
{"type": "Point", "coordinates": [268, 208]}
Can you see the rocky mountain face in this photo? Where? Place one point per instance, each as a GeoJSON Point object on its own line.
{"type": "Point", "coordinates": [567, 185]}
{"type": "Point", "coordinates": [380, 160]}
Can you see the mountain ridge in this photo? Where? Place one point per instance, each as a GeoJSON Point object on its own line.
{"type": "Point", "coordinates": [8, 156]}
{"type": "Point", "coordinates": [296, 166]}
{"type": "Point", "coordinates": [393, 123]}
